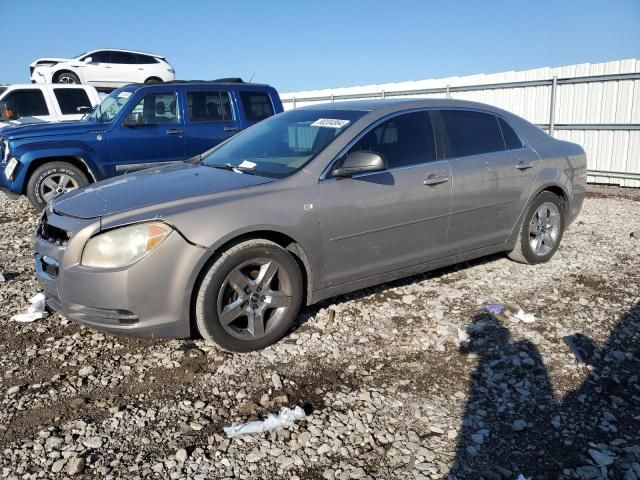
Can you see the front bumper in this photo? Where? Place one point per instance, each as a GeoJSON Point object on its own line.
{"type": "Point", "coordinates": [150, 298]}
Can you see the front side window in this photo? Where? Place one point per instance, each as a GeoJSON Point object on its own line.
{"type": "Point", "coordinates": [209, 106]}
{"type": "Point", "coordinates": [103, 56]}
{"type": "Point", "coordinates": [256, 105]}
{"type": "Point", "coordinates": [27, 103]}
{"type": "Point", "coordinates": [403, 140]}
{"type": "Point", "coordinates": [471, 133]}
{"type": "Point", "coordinates": [157, 108]}
{"type": "Point", "coordinates": [71, 99]}
{"type": "Point", "coordinates": [283, 144]}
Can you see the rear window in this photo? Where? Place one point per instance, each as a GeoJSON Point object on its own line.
{"type": "Point", "coordinates": [511, 139]}
{"type": "Point", "coordinates": [27, 103]}
{"type": "Point", "coordinates": [471, 133]}
{"type": "Point", "coordinates": [209, 106]}
{"type": "Point", "coordinates": [256, 105]}
{"type": "Point", "coordinates": [70, 99]}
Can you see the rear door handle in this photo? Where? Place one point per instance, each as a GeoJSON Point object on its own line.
{"type": "Point", "coordinates": [435, 179]}
{"type": "Point", "coordinates": [231, 129]}
{"type": "Point", "coordinates": [174, 131]}
{"type": "Point", "coordinates": [521, 165]}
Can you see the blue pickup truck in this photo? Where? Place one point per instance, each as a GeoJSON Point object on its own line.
{"type": "Point", "coordinates": [135, 127]}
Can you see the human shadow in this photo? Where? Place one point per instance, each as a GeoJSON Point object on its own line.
{"type": "Point", "coordinates": [593, 433]}
{"type": "Point", "coordinates": [509, 408]}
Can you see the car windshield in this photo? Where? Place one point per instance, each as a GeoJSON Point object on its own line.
{"type": "Point", "coordinates": [81, 55]}
{"type": "Point", "coordinates": [2, 89]}
{"type": "Point", "coordinates": [283, 144]}
{"type": "Point", "coordinates": [107, 110]}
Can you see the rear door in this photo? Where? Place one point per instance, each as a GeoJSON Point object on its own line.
{"type": "Point", "coordinates": [493, 176]}
{"type": "Point", "coordinates": [379, 222]}
{"type": "Point", "coordinates": [30, 105]}
{"type": "Point", "coordinates": [157, 138]}
{"type": "Point", "coordinates": [124, 68]}
{"type": "Point", "coordinates": [72, 102]}
{"type": "Point", "coordinates": [211, 118]}
{"type": "Point", "coordinates": [255, 106]}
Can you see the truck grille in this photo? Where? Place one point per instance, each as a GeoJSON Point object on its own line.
{"type": "Point", "coordinates": [50, 233]}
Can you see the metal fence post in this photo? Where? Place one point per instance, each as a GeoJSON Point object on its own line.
{"type": "Point", "coordinates": [332, 98]}
{"type": "Point", "coordinates": [384, 94]}
{"type": "Point", "coordinates": [448, 92]}
{"type": "Point", "coordinates": [294, 102]}
{"type": "Point", "coordinates": [552, 104]}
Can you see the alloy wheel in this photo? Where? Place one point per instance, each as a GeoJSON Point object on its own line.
{"type": "Point", "coordinates": [57, 184]}
{"type": "Point", "coordinates": [254, 298]}
{"type": "Point", "coordinates": [66, 78]}
{"type": "Point", "coordinates": [544, 229]}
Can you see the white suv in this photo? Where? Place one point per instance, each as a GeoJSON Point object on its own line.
{"type": "Point", "coordinates": [103, 68]}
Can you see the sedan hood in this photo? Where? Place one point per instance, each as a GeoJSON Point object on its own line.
{"type": "Point", "coordinates": [154, 186]}
{"type": "Point", "coordinates": [49, 60]}
{"type": "Point", "coordinates": [47, 129]}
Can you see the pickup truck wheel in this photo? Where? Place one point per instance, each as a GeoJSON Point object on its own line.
{"type": "Point", "coordinates": [66, 77]}
{"type": "Point", "coordinates": [249, 297]}
{"type": "Point", "coordinates": [541, 230]}
{"type": "Point", "coordinates": [53, 179]}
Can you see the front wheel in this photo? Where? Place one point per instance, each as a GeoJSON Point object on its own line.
{"type": "Point", "coordinates": [53, 179]}
{"type": "Point", "coordinates": [541, 231]}
{"type": "Point", "coordinates": [66, 77]}
{"type": "Point", "coordinates": [249, 297]}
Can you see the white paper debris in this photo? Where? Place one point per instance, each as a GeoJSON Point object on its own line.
{"type": "Point", "coordinates": [34, 312]}
{"type": "Point", "coordinates": [330, 123]}
{"type": "Point", "coordinates": [286, 418]}
{"type": "Point", "coordinates": [247, 164]}
{"type": "Point", "coordinates": [525, 317]}
{"type": "Point", "coordinates": [1, 278]}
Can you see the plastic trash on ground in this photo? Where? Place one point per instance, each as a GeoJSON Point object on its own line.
{"type": "Point", "coordinates": [286, 418]}
{"type": "Point", "coordinates": [34, 312]}
{"type": "Point", "coordinates": [525, 317]}
{"type": "Point", "coordinates": [495, 308]}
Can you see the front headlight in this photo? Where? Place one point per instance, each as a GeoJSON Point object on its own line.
{"type": "Point", "coordinates": [123, 246]}
{"type": "Point", "coordinates": [10, 168]}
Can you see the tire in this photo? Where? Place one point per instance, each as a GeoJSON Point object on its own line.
{"type": "Point", "coordinates": [53, 179]}
{"type": "Point", "coordinates": [541, 230]}
{"type": "Point", "coordinates": [152, 81]}
{"type": "Point", "coordinates": [66, 77]}
{"type": "Point", "coordinates": [233, 306]}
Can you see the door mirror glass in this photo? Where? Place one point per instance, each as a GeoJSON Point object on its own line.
{"type": "Point", "coordinates": [88, 60]}
{"type": "Point", "coordinates": [133, 120]}
{"type": "Point", "coordinates": [360, 162]}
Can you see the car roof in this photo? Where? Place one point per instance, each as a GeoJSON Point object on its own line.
{"type": "Point", "coordinates": [124, 50]}
{"type": "Point", "coordinates": [227, 82]}
{"type": "Point", "coordinates": [399, 104]}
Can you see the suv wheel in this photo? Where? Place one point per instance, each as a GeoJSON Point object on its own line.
{"type": "Point", "coordinates": [53, 179]}
{"type": "Point", "coordinates": [66, 77]}
{"type": "Point", "coordinates": [152, 80]}
{"type": "Point", "coordinates": [249, 297]}
{"type": "Point", "coordinates": [541, 231]}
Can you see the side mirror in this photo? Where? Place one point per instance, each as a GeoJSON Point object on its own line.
{"type": "Point", "coordinates": [133, 120]}
{"type": "Point", "coordinates": [88, 60]}
{"type": "Point", "coordinates": [360, 162]}
{"type": "Point", "coordinates": [7, 113]}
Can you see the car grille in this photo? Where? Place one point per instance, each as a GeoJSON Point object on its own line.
{"type": "Point", "coordinates": [50, 233]}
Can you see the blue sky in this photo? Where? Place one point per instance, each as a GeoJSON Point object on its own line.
{"type": "Point", "coordinates": [316, 44]}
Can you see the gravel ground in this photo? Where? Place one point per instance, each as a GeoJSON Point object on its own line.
{"type": "Point", "coordinates": [411, 379]}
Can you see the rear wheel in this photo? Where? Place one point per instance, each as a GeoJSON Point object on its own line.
{"type": "Point", "coordinates": [249, 297]}
{"type": "Point", "coordinates": [541, 231]}
{"type": "Point", "coordinates": [66, 77]}
{"type": "Point", "coordinates": [53, 179]}
{"type": "Point", "coordinates": [152, 80]}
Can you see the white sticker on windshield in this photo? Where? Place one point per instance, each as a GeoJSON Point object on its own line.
{"type": "Point", "coordinates": [247, 164]}
{"type": "Point", "coordinates": [330, 123]}
{"type": "Point", "coordinates": [124, 94]}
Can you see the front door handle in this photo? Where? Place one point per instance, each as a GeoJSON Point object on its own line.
{"type": "Point", "coordinates": [435, 179]}
{"type": "Point", "coordinates": [522, 165]}
{"type": "Point", "coordinates": [231, 129]}
{"type": "Point", "coordinates": [174, 131]}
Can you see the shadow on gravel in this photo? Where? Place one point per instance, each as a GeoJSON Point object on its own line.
{"type": "Point", "coordinates": [513, 424]}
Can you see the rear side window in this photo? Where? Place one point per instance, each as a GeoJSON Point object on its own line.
{"type": "Point", "coordinates": [27, 103]}
{"type": "Point", "coordinates": [403, 140]}
{"type": "Point", "coordinates": [511, 139]}
{"type": "Point", "coordinates": [471, 133]}
{"type": "Point", "coordinates": [145, 59]}
{"type": "Point", "coordinates": [256, 105]}
{"type": "Point", "coordinates": [70, 99]}
{"type": "Point", "coordinates": [209, 106]}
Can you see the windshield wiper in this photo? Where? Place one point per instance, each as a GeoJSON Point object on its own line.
{"type": "Point", "coordinates": [232, 168]}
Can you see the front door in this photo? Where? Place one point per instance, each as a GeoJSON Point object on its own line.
{"type": "Point", "coordinates": [210, 119]}
{"type": "Point", "coordinates": [156, 137]}
{"type": "Point", "coordinates": [379, 222]}
{"type": "Point", "coordinates": [494, 173]}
